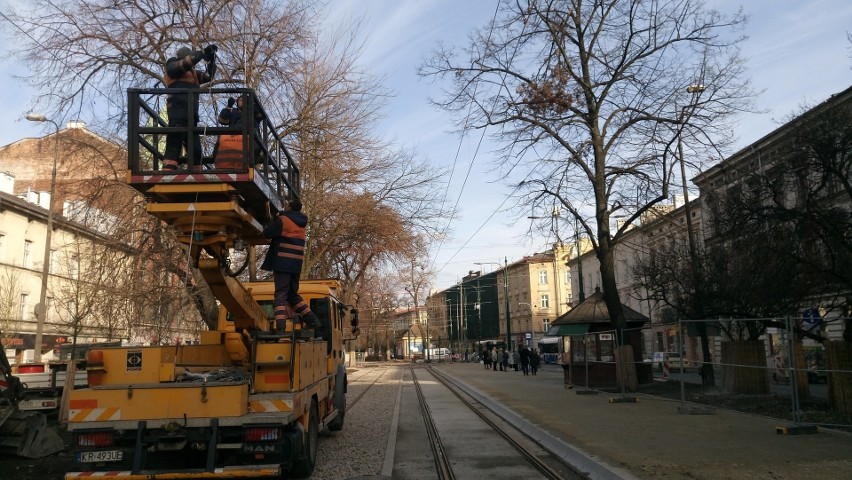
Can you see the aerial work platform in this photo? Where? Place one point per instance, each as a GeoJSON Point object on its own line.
{"type": "Point", "coordinates": [245, 173]}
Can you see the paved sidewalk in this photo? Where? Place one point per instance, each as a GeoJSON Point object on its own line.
{"type": "Point", "coordinates": [650, 439]}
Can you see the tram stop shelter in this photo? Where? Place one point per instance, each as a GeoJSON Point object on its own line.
{"type": "Point", "coordinates": [588, 344]}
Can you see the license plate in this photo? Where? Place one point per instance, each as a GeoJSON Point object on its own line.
{"type": "Point", "coordinates": [37, 404]}
{"type": "Point", "coordinates": [100, 456]}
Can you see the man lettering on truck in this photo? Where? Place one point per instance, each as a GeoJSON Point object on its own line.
{"type": "Point", "coordinates": [284, 259]}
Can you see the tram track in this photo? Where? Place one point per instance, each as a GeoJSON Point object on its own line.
{"type": "Point", "coordinates": [350, 404]}
{"type": "Point", "coordinates": [444, 461]}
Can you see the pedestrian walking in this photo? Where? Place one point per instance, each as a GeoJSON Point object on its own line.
{"type": "Point", "coordinates": [495, 359]}
{"type": "Point", "coordinates": [516, 359]}
{"type": "Point", "coordinates": [535, 360]}
{"type": "Point", "coordinates": [505, 365]}
{"type": "Point", "coordinates": [525, 360]}
{"type": "Point", "coordinates": [486, 359]}
{"type": "Point", "coordinates": [512, 362]}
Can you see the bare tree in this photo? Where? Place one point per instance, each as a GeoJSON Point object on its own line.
{"type": "Point", "coordinates": [10, 295]}
{"type": "Point", "coordinates": [414, 276]}
{"type": "Point", "coordinates": [83, 55]}
{"type": "Point", "coordinates": [378, 303]}
{"type": "Point", "coordinates": [592, 95]}
{"type": "Point", "coordinates": [85, 270]}
{"type": "Point", "coordinates": [365, 201]}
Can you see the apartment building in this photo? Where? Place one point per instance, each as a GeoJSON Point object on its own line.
{"type": "Point", "coordinates": [98, 286]}
{"type": "Point", "coordinates": [664, 228]}
{"type": "Point", "coordinates": [534, 291]}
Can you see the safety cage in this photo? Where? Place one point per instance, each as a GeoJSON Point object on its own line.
{"type": "Point", "coordinates": [228, 152]}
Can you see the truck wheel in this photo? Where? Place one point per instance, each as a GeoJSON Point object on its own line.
{"type": "Point", "coordinates": [304, 466]}
{"type": "Point", "coordinates": [336, 425]}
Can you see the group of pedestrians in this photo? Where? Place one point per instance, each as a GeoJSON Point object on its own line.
{"type": "Point", "coordinates": [523, 359]}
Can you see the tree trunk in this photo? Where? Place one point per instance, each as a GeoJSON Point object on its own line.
{"type": "Point", "coordinates": [708, 377]}
{"type": "Point", "coordinates": [625, 368]}
{"type": "Point", "coordinates": [801, 378]}
{"type": "Point", "coordinates": [744, 379]}
{"type": "Point", "coordinates": [839, 363]}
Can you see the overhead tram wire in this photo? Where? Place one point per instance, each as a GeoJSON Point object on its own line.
{"type": "Point", "coordinates": [458, 152]}
{"type": "Point", "coordinates": [470, 166]}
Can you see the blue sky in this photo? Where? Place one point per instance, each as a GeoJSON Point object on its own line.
{"type": "Point", "coordinates": [797, 53]}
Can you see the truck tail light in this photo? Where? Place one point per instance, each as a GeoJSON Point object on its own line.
{"type": "Point", "coordinates": [262, 434]}
{"type": "Point", "coordinates": [95, 439]}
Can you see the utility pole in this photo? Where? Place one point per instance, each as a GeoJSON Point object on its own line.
{"type": "Point", "coordinates": [45, 265]}
{"type": "Point", "coordinates": [582, 292]}
{"type": "Point", "coordinates": [707, 368]}
{"type": "Point", "coordinates": [448, 316]}
{"type": "Point", "coordinates": [506, 294]}
{"type": "Point", "coordinates": [463, 311]}
{"type": "Point", "coordinates": [478, 309]}
{"type": "Point", "coordinates": [556, 249]}
{"type": "Point", "coordinates": [460, 318]}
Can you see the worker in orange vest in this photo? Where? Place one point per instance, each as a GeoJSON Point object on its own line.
{"type": "Point", "coordinates": [181, 73]}
{"type": "Point", "coordinates": [284, 259]}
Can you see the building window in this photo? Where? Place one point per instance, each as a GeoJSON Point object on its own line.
{"type": "Point", "coordinates": [74, 267]}
{"type": "Point", "coordinates": [544, 301]}
{"type": "Point", "coordinates": [28, 251]}
{"type": "Point", "coordinates": [542, 277]}
{"type": "Point", "coordinates": [49, 303]}
{"type": "Point", "coordinates": [2, 246]}
{"type": "Point", "coordinates": [25, 303]}
{"type": "Point", "coordinates": [546, 324]}
{"type": "Point", "coordinates": [52, 264]}
{"type": "Point", "coordinates": [568, 277]}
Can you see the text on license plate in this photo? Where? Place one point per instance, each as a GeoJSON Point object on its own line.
{"type": "Point", "coordinates": [100, 456]}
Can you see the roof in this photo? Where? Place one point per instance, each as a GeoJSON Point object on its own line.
{"type": "Point", "coordinates": [594, 310]}
{"type": "Point", "coordinates": [567, 330]}
{"type": "Point", "coordinates": [416, 331]}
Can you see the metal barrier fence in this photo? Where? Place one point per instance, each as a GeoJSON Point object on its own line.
{"type": "Point", "coordinates": [752, 363]}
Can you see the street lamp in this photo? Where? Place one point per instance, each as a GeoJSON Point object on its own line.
{"type": "Point", "coordinates": [695, 90]}
{"type": "Point", "coordinates": [45, 267]}
{"type": "Point", "coordinates": [707, 371]}
{"type": "Point", "coordinates": [505, 268]}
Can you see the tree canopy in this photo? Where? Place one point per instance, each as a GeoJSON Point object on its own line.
{"type": "Point", "coordinates": [588, 97]}
{"type": "Point", "coordinates": [366, 200]}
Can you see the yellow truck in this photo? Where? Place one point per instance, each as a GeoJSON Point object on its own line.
{"type": "Point", "coordinates": [250, 398]}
